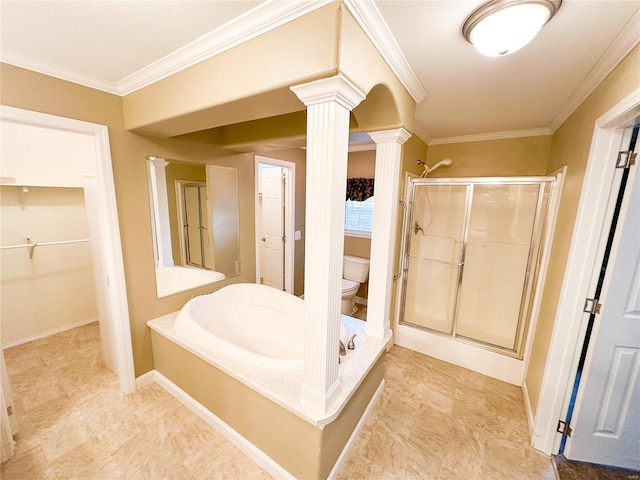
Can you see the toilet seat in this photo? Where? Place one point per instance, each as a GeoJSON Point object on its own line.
{"type": "Point", "coordinates": [349, 285]}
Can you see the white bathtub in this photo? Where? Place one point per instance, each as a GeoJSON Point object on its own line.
{"type": "Point", "coordinates": [254, 324]}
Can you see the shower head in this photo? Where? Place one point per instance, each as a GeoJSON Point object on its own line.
{"type": "Point", "coordinates": [427, 170]}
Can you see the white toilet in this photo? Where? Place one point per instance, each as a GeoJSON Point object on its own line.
{"type": "Point", "coordinates": [355, 271]}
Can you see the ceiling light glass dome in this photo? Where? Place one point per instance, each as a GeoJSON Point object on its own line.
{"type": "Point", "coordinates": [501, 27]}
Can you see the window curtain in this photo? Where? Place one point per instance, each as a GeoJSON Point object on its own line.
{"type": "Point", "coordinates": [359, 189]}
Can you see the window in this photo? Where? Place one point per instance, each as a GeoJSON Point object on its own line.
{"type": "Point", "coordinates": [358, 218]}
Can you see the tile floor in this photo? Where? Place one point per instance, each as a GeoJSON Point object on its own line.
{"type": "Point", "coordinates": [433, 421]}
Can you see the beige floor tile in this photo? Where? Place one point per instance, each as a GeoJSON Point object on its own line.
{"type": "Point", "coordinates": [58, 440]}
{"type": "Point", "coordinates": [504, 459]}
{"type": "Point", "coordinates": [419, 463]}
{"type": "Point", "coordinates": [87, 460]}
{"type": "Point", "coordinates": [238, 465]}
{"type": "Point", "coordinates": [119, 433]}
{"type": "Point", "coordinates": [52, 413]}
{"type": "Point", "coordinates": [433, 420]}
{"type": "Point", "coordinates": [430, 432]}
{"type": "Point", "coordinates": [384, 449]}
{"type": "Point", "coordinates": [209, 458]}
{"type": "Point", "coordinates": [191, 439]}
{"type": "Point", "coordinates": [173, 421]}
{"type": "Point", "coordinates": [146, 456]}
{"type": "Point", "coordinates": [29, 465]}
{"type": "Point", "coordinates": [539, 465]}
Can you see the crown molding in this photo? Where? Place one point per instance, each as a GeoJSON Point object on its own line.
{"type": "Point", "coordinates": [361, 147]}
{"type": "Point", "coordinates": [420, 132]}
{"type": "Point", "coordinates": [533, 132]}
{"type": "Point", "coordinates": [30, 63]}
{"type": "Point", "coordinates": [626, 40]}
{"type": "Point", "coordinates": [266, 17]}
{"type": "Point", "coordinates": [369, 18]}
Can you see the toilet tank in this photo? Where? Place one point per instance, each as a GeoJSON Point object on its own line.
{"type": "Point", "coordinates": [355, 269]}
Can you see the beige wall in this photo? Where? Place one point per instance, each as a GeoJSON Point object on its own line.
{"type": "Point", "coordinates": [250, 81]}
{"type": "Point", "coordinates": [492, 158]}
{"type": "Point", "coordinates": [54, 289]}
{"type": "Point", "coordinates": [571, 145]}
{"type": "Point", "coordinates": [33, 91]}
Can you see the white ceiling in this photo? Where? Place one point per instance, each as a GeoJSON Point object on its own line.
{"type": "Point", "coordinates": [119, 46]}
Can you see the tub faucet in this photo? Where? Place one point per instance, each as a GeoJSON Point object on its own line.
{"type": "Point", "coordinates": [343, 351]}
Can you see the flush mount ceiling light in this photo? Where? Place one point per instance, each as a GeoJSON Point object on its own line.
{"type": "Point", "coordinates": [501, 27]}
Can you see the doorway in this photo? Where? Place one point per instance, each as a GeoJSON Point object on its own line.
{"type": "Point", "coordinates": [605, 399]}
{"type": "Point", "coordinates": [275, 222]}
{"type": "Point", "coordinates": [569, 326]}
{"type": "Point", "coordinates": [95, 175]}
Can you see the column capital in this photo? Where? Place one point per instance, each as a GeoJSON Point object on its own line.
{"type": "Point", "coordinates": [337, 89]}
{"type": "Point", "coordinates": [398, 135]}
{"type": "Point", "coordinates": [157, 161]}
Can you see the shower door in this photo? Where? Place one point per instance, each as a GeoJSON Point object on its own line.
{"type": "Point", "coordinates": [196, 243]}
{"type": "Point", "coordinates": [470, 256]}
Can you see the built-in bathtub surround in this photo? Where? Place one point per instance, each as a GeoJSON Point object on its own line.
{"type": "Point", "coordinates": [264, 405]}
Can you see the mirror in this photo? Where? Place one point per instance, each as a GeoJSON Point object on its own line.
{"type": "Point", "coordinates": [195, 224]}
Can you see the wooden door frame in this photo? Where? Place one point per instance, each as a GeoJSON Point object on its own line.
{"type": "Point", "coordinates": [289, 218]}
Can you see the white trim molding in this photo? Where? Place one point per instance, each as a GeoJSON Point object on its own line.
{"type": "Point", "coordinates": [267, 16]}
{"type": "Point", "coordinates": [110, 241]}
{"type": "Point", "coordinates": [370, 20]}
{"type": "Point", "coordinates": [559, 372]}
{"type": "Point", "coordinates": [46, 68]}
{"type": "Point", "coordinates": [481, 137]}
{"type": "Point", "coordinates": [627, 39]}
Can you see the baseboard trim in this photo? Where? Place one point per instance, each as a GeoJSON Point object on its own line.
{"type": "Point", "coordinates": [527, 406]}
{"type": "Point", "coordinates": [361, 301]}
{"type": "Point", "coordinates": [356, 432]}
{"type": "Point", "coordinates": [48, 333]}
{"type": "Point", "coordinates": [146, 379]}
{"type": "Point", "coordinates": [254, 453]}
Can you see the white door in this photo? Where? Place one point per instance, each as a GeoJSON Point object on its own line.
{"type": "Point", "coordinates": [606, 419]}
{"type": "Point", "coordinates": [272, 249]}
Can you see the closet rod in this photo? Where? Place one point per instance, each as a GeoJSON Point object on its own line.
{"type": "Point", "coordinates": [44, 244]}
{"type": "Point", "coordinates": [32, 245]}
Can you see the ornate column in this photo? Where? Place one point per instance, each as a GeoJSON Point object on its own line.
{"type": "Point", "coordinates": [160, 212]}
{"type": "Point", "coordinates": [387, 174]}
{"type": "Point", "coordinates": [329, 102]}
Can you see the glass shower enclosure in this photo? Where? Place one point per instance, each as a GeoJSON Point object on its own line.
{"type": "Point", "coordinates": [470, 255]}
